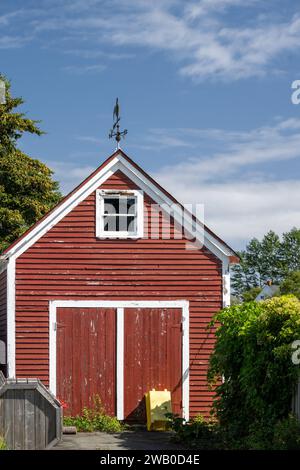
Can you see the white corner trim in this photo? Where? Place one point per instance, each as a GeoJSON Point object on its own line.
{"type": "Point", "coordinates": [185, 362]}
{"type": "Point", "coordinates": [120, 364]}
{"type": "Point", "coordinates": [11, 318]}
{"type": "Point", "coordinates": [52, 347]}
{"type": "Point", "coordinates": [120, 306]}
{"type": "Point", "coordinates": [117, 163]}
{"type": "Point", "coordinates": [138, 194]}
{"type": "Point", "coordinates": [226, 284]}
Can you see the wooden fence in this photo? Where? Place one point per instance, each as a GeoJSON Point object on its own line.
{"type": "Point", "coordinates": [296, 401]}
{"type": "Point", "coordinates": [30, 416]}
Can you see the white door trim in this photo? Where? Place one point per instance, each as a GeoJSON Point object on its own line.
{"type": "Point", "coordinates": [120, 364]}
{"type": "Point", "coordinates": [120, 305]}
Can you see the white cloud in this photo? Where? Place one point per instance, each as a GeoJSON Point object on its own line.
{"type": "Point", "coordinates": [239, 203]}
{"type": "Point", "coordinates": [69, 174]}
{"type": "Point", "coordinates": [82, 69]}
{"type": "Point", "coordinates": [6, 19]}
{"type": "Point", "coordinates": [203, 7]}
{"type": "Point", "coordinates": [12, 42]}
{"type": "Point", "coordinates": [240, 150]}
{"type": "Point", "coordinates": [161, 139]}
{"type": "Point", "coordinates": [207, 47]}
{"type": "Point", "coordinates": [89, 139]}
{"type": "Point", "coordinates": [96, 54]}
{"type": "Point", "coordinates": [240, 210]}
{"type": "Point", "coordinates": [199, 35]}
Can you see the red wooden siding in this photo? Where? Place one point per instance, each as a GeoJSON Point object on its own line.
{"type": "Point", "coordinates": [70, 263]}
{"type": "Point", "coordinates": [86, 358]}
{"type": "Point", "coordinates": [3, 310]}
{"type": "Point", "coordinates": [152, 357]}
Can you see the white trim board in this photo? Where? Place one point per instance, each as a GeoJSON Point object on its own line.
{"type": "Point", "coordinates": [120, 364]}
{"type": "Point", "coordinates": [11, 318]}
{"type": "Point", "coordinates": [226, 285]}
{"type": "Point", "coordinates": [120, 306]}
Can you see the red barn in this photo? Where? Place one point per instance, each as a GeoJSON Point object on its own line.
{"type": "Point", "coordinates": [109, 295]}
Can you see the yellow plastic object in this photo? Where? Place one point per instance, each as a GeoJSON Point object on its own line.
{"type": "Point", "coordinates": [158, 403]}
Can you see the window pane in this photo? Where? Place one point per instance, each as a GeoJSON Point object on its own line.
{"type": "Point", "coordinates": [131, 224]}
{"type": "Point", "coordinates": [121, 223]}
{"type": "Point", "coordinates": [120, 205]}
{"type": "Point", "coordinates": [111, 205]}
{"type": "Point", "coordinates": [127, 223]}
{"type": "Point", "coordinates": [111, 223]}
{"type": "Point", "coordinates": [131, 205]}
{"type": "Point", "coordinates": [123, 205]}
{"type": "Point", "coordinates": [127, 205]}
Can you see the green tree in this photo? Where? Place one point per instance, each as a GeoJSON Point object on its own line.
{"type": "Point", "coordinates": [270, 258]}
{"type": "Point", "coordinates": [251, 294]}
{"type": "Point", "coordinates": [253, 354]}
{"type": "Point", "coordinates": [290, 251]}
{"type": "Point", "coordinates": [27, 190]}
{"type": "Point", "coordinates": [291, 284]}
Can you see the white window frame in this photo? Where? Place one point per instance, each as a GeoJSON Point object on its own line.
{"type": "Point", "coordinates": [100, 195]}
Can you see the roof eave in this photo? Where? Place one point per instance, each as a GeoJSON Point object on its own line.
{"type": "Point", "coordinates": [118, 156]}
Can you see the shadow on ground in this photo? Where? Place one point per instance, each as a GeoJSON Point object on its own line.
{"type": "Point", "coordinates": [127, 440]}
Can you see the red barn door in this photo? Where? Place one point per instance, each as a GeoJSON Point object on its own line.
{"type": "Point", "coordinates": [86, 357]}
{"type": "Point", "coordinates": [152, 357]}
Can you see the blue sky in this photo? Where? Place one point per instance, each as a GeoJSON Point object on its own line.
{"type": "Point", "coordinates": [205, 93]}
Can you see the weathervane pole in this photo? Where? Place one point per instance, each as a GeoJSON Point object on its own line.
{"type": "Point", "coordinates": [115, 131]}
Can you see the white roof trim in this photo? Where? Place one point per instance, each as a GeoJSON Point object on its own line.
{"type": "Point", "coordinates": [122, 164]}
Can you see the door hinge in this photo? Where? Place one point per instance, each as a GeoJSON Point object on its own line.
{"type": "Point", "coordinates": [179, 325]}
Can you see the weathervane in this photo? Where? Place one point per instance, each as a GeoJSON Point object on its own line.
{"type": "Point", "coordinates": [115, 131]}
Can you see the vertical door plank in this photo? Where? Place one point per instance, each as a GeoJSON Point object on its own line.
{"type": "Point", "coordinates": [153, 357]}
{"type": "Point", "coordinates": [86, 358]}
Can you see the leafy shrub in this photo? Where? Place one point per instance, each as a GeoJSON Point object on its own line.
{"type": "Point", "coordinates": [259, 437]}
{"type": "Point", "coordinates": [253, 355]}
{"type": "Point", "coordinates": [197, 433]}
{"type": "Point", "coordinates": [204, 434]}
{"type": "Point", "coordinates": [287, 434]}
{"type": "Point", "coordinates": [94, 419]}
{"type": "Point", "coordinates": [3, 445]}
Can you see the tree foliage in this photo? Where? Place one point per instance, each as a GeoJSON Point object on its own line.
{"type": "Point", "coordinates": [270, 258]}
{"type": "Point", "coordinates": [27, 190]}
{"type": "Point", "coordinates": [291, 284]}
{"type": "Point", "coordinates": [251, 294]}
{"type": "Point", "coordinates": [253, 355]}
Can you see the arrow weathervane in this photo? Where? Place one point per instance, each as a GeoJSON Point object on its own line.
{"type": "Point", "coordinates": [115, 131]}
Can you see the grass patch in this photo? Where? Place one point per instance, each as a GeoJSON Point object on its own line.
{"type": "Point", "coordinates": [94, 419]}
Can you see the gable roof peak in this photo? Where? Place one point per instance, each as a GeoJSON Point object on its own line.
{"type": "Point", "coordinates": [117, 161]}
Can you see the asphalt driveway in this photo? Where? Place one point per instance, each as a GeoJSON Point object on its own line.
{"type": "Point", "coordinates": [127, 440]}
